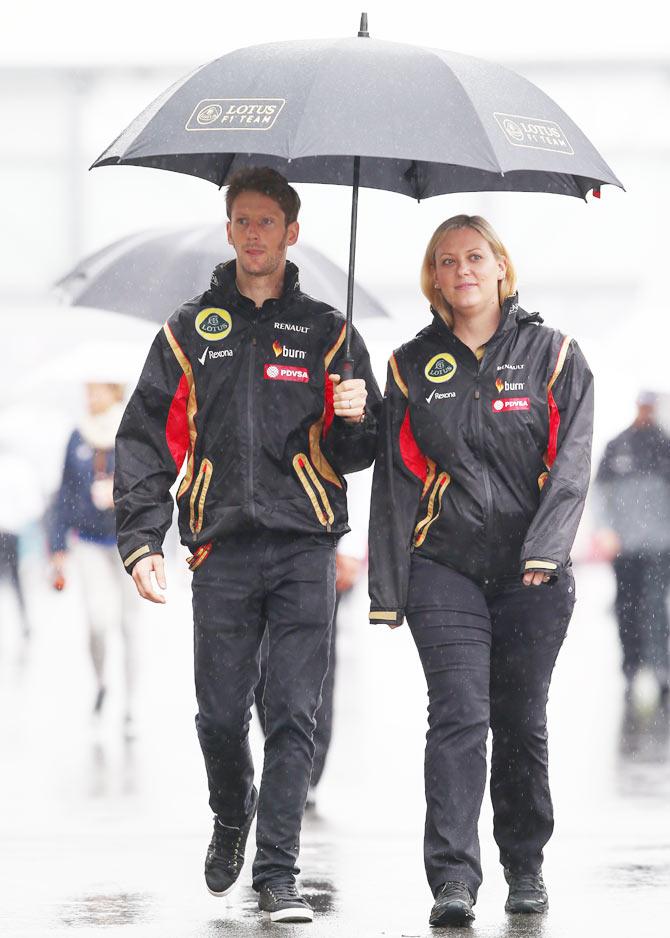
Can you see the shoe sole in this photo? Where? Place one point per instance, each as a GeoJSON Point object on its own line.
{"type": "Point", "coordinates": [291, 915]}
{"type": "Point", "coordinates": [527, 908]}
{"type": "Point", "coordinates": [456, 915]}
{"type": "Point", "coordinates": [220, 895]}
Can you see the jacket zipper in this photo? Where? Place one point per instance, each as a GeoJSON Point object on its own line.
{"type": "Point", "coordinates": [485, 469]}
{"type": "Point", "coordinates": [250, 420]}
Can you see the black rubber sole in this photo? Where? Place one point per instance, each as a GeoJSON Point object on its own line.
{"type": "Point", "coordinates": [526, 908]}
{"type": "Point", "coordinates": [456, 914]}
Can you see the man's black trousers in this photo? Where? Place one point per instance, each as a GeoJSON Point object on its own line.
{"type": "Point", "coordinates": [642, 582]}
{"type": "Point", "coordinates": [488, 653]}
{"type": "Point", "coordinates": [286, 582]}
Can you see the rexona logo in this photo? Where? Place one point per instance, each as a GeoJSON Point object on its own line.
{"type": "Point", "coordinates": [213, 324]}
{"type": "Point", "coordinates": [533, 132]}
{"type": "Point", "coordinates": [286, 352]}
{"type": "Point", "coordinates": [506, 404]}
{"type": "Point", "coordinates": [285, 373]}
{"type": "Point", "coordinates": [235, 114]}
{"type": "Point", "coordinates": [440, 368]}
{"type": "Point", "coordinates": [509, 385]}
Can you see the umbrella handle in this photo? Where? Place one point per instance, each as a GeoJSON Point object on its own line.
{"type": "Point", "coordinates": [347, 369]}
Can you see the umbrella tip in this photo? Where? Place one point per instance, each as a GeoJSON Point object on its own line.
{"type": "Point", "coordinates": [363, 31]}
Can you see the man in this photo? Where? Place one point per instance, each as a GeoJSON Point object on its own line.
{"type": "Point", "coordinates": [242, 382]}
{"type": "Point", "coordinates": [633, 507]}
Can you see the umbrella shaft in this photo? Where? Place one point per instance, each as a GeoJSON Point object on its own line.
{"type": "Point", "coordinates": [352, 255]}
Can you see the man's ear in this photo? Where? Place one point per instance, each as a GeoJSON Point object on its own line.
{"type": "Point", "coordinates": [230, 240]}
{"type": "Point", "coordinates": [293, 232]}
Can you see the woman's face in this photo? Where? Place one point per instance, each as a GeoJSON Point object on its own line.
{"type": "Point", "coordinates": [100, 397]}
{"type": "Point", "coordinates": [468, 272]}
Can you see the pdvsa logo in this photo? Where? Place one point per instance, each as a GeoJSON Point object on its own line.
{"type": "Point", "coordinates": [285, 373]}
{"type": "Point", "coordinates": [441, 368]}
{"type": "Point", "coordinates": [213, 324]}
{"type": "Point", "coordinates": [509, 404]}
{"type": "Point", "coordinates": [285, 352]}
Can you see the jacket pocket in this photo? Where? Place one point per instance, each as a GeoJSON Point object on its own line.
{"type": "Point", "coordinates": [438, 490]}
{"type": "Point", "coordinates": [314, 489]}
{"type": "Point", "coordinates": [198, 496]}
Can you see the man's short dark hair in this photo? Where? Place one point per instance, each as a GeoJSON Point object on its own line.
{"type": "Point", "coordinates": [268, 182]}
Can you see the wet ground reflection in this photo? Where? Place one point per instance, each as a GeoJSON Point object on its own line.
{"type": "Point", "coordinates": [105, 910]}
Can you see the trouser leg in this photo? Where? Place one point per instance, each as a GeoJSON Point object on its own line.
{"type": "Point", "coordinates": [323, 731]}
{"type": "Point", "coordinates": [299, 605]}
{"type": "Point", "coordinates": [654, 627]}
{"type": "Point", "coordinates": [528, 627]}
{"type": "Point", "coordinates": [454, 648]}
{"type": "Point", "coordinates": [101, 597]}
{"type": "Point", "coordinates": [228, 626]}
{"type": "Point", "coordinates": [628, 571]}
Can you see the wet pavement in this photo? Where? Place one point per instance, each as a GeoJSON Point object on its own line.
{"type": "Point", "coordinates": [102, 835]}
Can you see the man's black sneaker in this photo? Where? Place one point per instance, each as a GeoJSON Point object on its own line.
{"type": "Point", "coordinates": [453, 905]}
{"type": "Point", "coordinates": [527, 893]}
{"type": "Point", "coordinates": [283, 903]}
{"type": "Point", "coordinates": [225, 854]}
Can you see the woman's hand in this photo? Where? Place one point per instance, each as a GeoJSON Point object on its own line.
{"type": "Point", "coordinates": [349, 398]}
{"type": "Point", "coordinates": [535, 578]}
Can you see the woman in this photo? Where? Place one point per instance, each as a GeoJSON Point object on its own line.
{"type": "Point", "coordinates": [84, 507]}
{"type": "Point", "coordinates": [480, 480]}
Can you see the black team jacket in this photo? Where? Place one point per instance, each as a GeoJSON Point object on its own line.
{"type": "Point", "coordinates": [482, 464]}
{"type": "Point", "coordinates": [242, 396]}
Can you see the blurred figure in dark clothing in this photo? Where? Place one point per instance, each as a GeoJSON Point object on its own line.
{"type": "Point", "coordinates": [633, 505]}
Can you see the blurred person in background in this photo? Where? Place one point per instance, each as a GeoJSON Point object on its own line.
{"type": "Point", "coordinates": [481, 475]}
{"type": "Point", "coordinates": [632, 505]}
{"type": "Point", "coordinates": [350, 565]}
{"type": "Point", "coordinates": [20, 503]}
{"type": "Point", "coordinates": [82, 532]}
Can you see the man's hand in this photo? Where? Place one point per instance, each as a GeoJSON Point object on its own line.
{"type": "Point", "coordinates": [349, 398]}
{"type": "Point", "coordinates": [142, 575]}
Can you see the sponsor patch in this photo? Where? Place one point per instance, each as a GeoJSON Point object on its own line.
{"type": "Point", "coordinates": [507, 367]}
{"type": "Point", "coordinates": [213, 324]}
{"type": "Point", "coordinates": [506, 404]}
{"type": "Point", "coordinates": [285, 373]}
{"type": "Point", "coordinates": [534, 133]}
{"type": "Point", "coordinates": [439, 395]}
{"type": "Point", "coordinates": [235, 113]}
{"type": "Point", "coordinates": [285, 352]}
{"type": "Point", "coordinates": [509, 385]}
{"type": "Point", "coordinates": [440, 368]}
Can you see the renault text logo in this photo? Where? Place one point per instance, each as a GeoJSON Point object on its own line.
{"type": "Point", "coordinates": [440, 368]}
{"type": "Point", "coordinates": [235, 114]}
{"type": "Point", "coordinates": [533, 132]}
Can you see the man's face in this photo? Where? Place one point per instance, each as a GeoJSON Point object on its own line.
{"type": "Point", "coordinates": [258, 231]}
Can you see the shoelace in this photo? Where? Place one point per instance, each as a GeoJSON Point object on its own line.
{"type": "Point", "coordinates": [454, 890]}
{"type": "Point", "coordinates": [227, 841]}
{"type": "Point", "coordinates": [283, 891]}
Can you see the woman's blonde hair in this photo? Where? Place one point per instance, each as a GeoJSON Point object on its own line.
{"type": "Point", "coordinates": [506, 286]}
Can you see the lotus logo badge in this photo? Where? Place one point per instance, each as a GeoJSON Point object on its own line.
{"type": "Point", "coordinates": [209, 114]}
{"type": "Point", "coordinates": [213, 324]}
{"type": "Point", "coordinates": [440, 368]}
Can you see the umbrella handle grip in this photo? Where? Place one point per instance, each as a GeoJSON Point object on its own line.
{"type": "Point", "coordinates": [347, 369]}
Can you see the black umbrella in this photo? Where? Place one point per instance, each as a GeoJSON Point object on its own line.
{"type": "Point", "coordinates": [412, 120]}
{"type": "Point", "coordinates": [151, 273]}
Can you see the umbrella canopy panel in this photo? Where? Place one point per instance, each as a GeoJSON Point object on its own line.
{"type": "Point", "coordinates": [150, 274]}
{"type": "Point", "coordinates": [423, 121]}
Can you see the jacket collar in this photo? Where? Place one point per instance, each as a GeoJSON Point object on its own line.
{"type": "Point", "coordinates": [223, 286]}
{"type": "Point", "coordinates": [510, 316]}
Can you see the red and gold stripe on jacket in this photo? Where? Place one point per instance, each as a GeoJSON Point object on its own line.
{"type": "Point", "coordinates": [319, 429]}
{"type": "Point", "coordinates": [554, 413]}
{"type": "Point", "coordinates": [418, 464]}
{"type": "Point", "coordinates": [421, 530]}
{"type": "Point", "coordinates": [198, 496]}
{"type": "Point", "coordinates": [314, 489]}
{"type": "Point", "coordinates": [180, 431]}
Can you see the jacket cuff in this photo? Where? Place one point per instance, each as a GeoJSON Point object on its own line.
{"type": "Point", "coordinates": [137, 553]}
{"type": "Point", "coordinates": [387, 616]}
{"type": "Point", "coordinates": [541, 565]}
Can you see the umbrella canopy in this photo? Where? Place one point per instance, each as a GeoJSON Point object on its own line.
{"type": "Point", "coordinates": [151, 273]}
{"type": "Point", "coordinates": [423, 122]}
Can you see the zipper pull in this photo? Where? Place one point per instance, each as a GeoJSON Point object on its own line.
{"type": "Point", "coordinates": [477, 395]}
